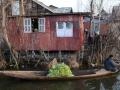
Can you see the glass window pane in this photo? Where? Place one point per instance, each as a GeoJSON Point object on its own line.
{"type": "Point", "coordinates": [29, 29]}
{"type": "Point", "coordinates": [41, 21]}
{"type": "Point", "coordinates": [25, 28]}
{"type": "Point", "coordinates": [60, 25]}
{"type": "Point", "coordinates": [25, 21]}
{"type": "Point", "coordinates": [69, 25]}
{"type": "Point", "coordinates": [41, 28]}
{"type": "Point", "coordinates": [28, 21]}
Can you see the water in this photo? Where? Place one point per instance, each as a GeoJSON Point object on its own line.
{"type": "Point", "coordinates": [110, 83]}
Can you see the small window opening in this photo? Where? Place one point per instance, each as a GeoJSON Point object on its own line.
{"type": "Point", "coordinates": [35, 25]}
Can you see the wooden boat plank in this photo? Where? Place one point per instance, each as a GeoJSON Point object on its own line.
{"type": "Point", "coordinates": [36, 75]}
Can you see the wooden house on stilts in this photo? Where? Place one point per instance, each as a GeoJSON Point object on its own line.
{"type": "Point", "coordinates": [33, 26]}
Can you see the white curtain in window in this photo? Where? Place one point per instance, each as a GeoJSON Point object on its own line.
{"type": "Point", "coordinates": [60, 29]}
{"type": "Point", "coordinates": [69, 29]}
{"type": "Point", "coordinates": [64, 29]}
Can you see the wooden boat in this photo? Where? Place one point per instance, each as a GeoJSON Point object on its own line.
{"type": "Point", "coordinates": [40, 75]}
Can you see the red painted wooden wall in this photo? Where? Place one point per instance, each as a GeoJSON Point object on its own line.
{"type": "Point", "coordinates": [47, 40]}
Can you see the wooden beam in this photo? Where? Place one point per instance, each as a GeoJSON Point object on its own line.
{"type": "Point", "coordinates": [22, 11]}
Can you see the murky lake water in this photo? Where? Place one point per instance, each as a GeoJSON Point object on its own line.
{"type": "Point", "coordinates": [110, 83]}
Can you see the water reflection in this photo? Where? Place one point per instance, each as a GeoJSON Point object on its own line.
{"type": "Point", "coordinates": [101, 84]}
{"type": "Point", "coordinates": [9, 84]}
{"type": "Point", "coordinates": [110, 83]}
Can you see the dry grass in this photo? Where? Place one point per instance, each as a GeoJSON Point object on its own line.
{"type": "Point", "coordinates": [3, 64]}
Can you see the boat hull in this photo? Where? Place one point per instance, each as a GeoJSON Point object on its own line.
{"type": "Point", "coordinates": [39, 75]}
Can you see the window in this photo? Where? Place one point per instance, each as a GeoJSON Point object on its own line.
{"type": "Point", "coordinates": [41, 24]}
{"type": "Point", "coordinates": [1, 2]}
{"type": "Point", "coordinates": [64, 29]}
{"type": "Point", "coordinates": [96, 28]}
{"type": "Point", "coordinates": [27, 25]}
{"type": "Point", "coordinates": [60, 25]}
{"type": "Point", "coordinates": [15, 8]}
{"type": "Point", "coordinates": [69, 25]}
{"type": "Point", "coordinates": [34, 25]}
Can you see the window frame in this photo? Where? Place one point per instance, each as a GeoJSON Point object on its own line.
{"type": "Point", "coordinates": [28, 24]}
{"type": "Point", "coordinates": [41, 25]}
{"type": "Point", "coordinates": [64, 31]}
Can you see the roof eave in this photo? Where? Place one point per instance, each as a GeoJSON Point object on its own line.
{"type": "Point", "coordinates": [43, 5]}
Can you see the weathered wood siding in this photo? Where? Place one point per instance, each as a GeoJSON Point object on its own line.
{"type": "Point", "coordinates": [47, 40]}
{"type": "Point", "coordinates": [31, 8]}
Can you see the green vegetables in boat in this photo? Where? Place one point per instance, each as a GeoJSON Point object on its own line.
{"type": "Point", "coordinates": [60, 70]}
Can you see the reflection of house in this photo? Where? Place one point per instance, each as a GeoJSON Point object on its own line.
{"type": "Point", "coordinates": [41, 27]}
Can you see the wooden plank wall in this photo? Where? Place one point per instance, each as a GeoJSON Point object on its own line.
{"type": "Point", "coordinates": [47, 40]}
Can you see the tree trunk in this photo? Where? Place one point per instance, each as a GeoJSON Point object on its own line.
{"type": "Point", "coordinates": [5, 35]}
